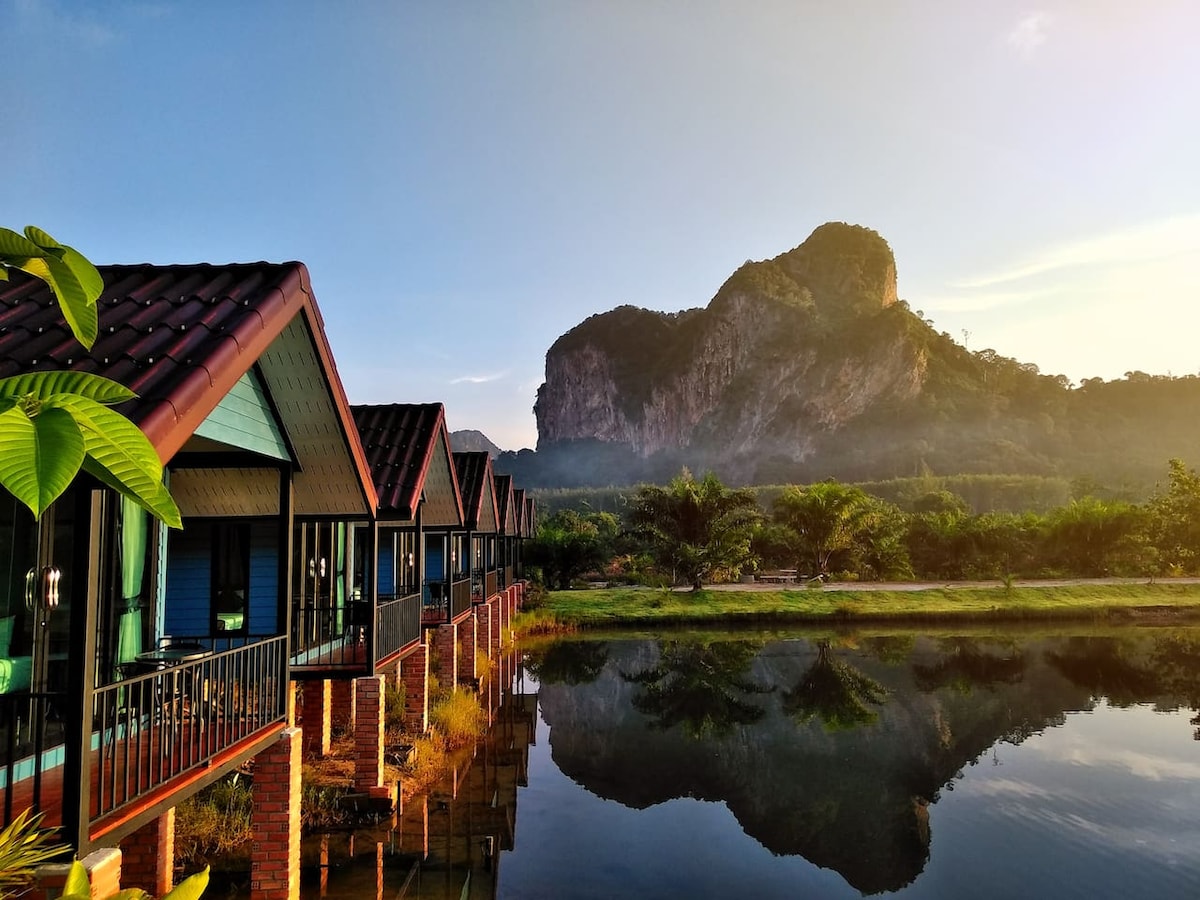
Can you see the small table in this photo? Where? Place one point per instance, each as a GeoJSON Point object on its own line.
{"type": "Point", "coordinates": [171, 658]}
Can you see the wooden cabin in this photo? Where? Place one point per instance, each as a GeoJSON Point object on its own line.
{"type": "Point", "coordinates": [506, 534]}
{"type": "Point", "coordinates": [163, 660]}
{"type": "Point", "coordinates": [477, 487]}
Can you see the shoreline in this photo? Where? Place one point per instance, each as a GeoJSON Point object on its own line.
{"type": "Point", "coordinates": [1116, 601]}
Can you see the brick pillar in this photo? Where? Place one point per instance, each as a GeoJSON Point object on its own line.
{"type": "Point", "coordinates": [414, 674]}
{"type": "Point", "coordinates": [341, 702]}
{"type": "Point", "coordinates": [275, 820]}
{"type": "Point", "coordinates": [316, 714]}
{"type": "Point", "coordinates": [446, 638]}
{"type": "Point", "coordinates": [103, 868]}
{"type": "Point", "coordinates": [494, 624]}
{"type": "Point", "coordinates": [483, 627]}
{"type": "Point", "coordinates": [368, 733]}
{"type": "Point", "coordinates": [466, 658]}
{"type": "Point", "coordinates": [148, 855]}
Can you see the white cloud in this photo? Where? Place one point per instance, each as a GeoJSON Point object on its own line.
{"type": "Point", "coordinates": [1029, 33]}
{"type": "Point", "coordinates": [478, 379]}
{"type": "Point", "coordinates": [1148, 242]}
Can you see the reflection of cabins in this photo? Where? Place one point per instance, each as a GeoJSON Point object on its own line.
{"type": "Point", "coordinates": [457, 833]}
{"type": "Point", "coordinates": [159, 661]}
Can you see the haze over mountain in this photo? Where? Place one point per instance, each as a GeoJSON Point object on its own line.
{"type": "Point", "coordinates": [808, 366]}
{"type": "Point", "coordinates": [470, 440]}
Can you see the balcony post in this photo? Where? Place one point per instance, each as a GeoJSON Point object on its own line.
{"type": "Point", "coordinates": [275, 819]}
{"type": "Point", "coordinates": [467, 629]}
{"type": "Point", "coordinates": [414, 674]}
{"type": "Point", "coordinates": [148, 855]}
{"type": "Point", "coordinates": [81, 672]}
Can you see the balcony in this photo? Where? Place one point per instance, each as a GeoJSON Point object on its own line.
{"type": "Point", "coordinates": [152, 733]}
{"type": "Point", "coordinates": [444, 602]}
{"type": "Point", "coordinates": [327, 639]}
{"type": "Point", "coordinates": [483, 585]}
{"type": "Point", "coordinates": [397, 624]}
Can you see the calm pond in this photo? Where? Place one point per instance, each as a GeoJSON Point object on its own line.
{"type": "Point", "coordinates": [1049, 763]}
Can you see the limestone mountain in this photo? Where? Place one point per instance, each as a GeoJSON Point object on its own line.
{"type": "Point", "coordinates": [470, 440]}
{"type": "Point", "coordinates": [808, 366]}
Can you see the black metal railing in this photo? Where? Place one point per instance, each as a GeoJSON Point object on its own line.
{"type": "Point", "coordinates": [397, 624]}
{"type": "Point", "coordinates": [325, 635]}
{"type": "Point", "coordinates": [460, 597]}
{"type": "Point", "coordinates": [31, 740]}
{"type": "Point", "coordinates": [153, 727]}
{"type": "Point", "coordinates": [491, 584]}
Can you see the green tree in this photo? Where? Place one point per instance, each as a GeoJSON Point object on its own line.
{"type": "Point", "coordinates": [696, 528]}
{"type": "Point", "coordinates": [835, 692]}
{"type": "Point", "coordinates": [1093, 537]}
{"type": "Point", "coordinates": [569, 543]}
{"type": "Point", "coordinates": [52, 424]}
{"type": "Point", "coordinates": [1175, 524]}
{"type": "Point", "coordinates": [842, 524]}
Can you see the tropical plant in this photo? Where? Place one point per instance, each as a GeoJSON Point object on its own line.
{"type": "Point", "coordinates": [25, 845]}
{"type": "Point", "coordinates": [52, 424]}
{"type": "Point", "coordinates": [696, 527]}
{"type": "Point", "coordinates": [79, 887]}
{"type": "Point", "coordinates": [569, 544]}
{"type": "Point", "coordinates": [826, 518]}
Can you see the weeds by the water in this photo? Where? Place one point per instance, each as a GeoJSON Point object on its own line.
{"type": "Point", "coordinates": [483, 664]}
{"type": "Point", "coordinates": [215, 822]}
{"type": "Point", "coordinates": [426, 763]}
{"type": "Point", "coordinates": [459, 716]}
{"type": "Point", "coordinates": [393, 706]}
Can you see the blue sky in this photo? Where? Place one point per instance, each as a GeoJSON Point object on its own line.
{"type": "Point", "coordinates": [468, 180]}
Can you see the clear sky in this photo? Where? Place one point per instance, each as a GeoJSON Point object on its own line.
{"type": "Point", "coordinates": [468, 180]}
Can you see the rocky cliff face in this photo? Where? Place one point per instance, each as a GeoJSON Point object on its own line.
{"type": "Point", "coordinates": [790, 349]}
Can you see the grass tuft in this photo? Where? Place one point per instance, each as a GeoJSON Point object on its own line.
{"type": "Point", "coordinates": [459, 716]}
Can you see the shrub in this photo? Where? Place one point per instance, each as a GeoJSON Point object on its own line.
{"type": "Point", "coordinates": [393, 709]}
{"type": "Point", "coordinates": [215, 821]}
{"type": "Point", "coordinates": [459, 717]}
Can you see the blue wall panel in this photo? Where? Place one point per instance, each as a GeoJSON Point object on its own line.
{"type": "Point", "coordinates": [189, 580]}
{"type": "Point", "coordinates": [264, 578]}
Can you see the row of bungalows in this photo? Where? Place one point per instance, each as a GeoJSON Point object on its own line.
{"type": "Point", "coordinates": [323, 545]}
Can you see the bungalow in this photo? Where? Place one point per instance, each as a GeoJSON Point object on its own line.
{"type": "Point", "coordinates": [140, 664]}
{"type": "Point", "coordinates": [507, 533]}
{"type": "Point", "coordinates": [476, 483]}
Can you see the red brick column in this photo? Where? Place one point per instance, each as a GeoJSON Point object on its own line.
{"type": "Point", "coordinates": [368, 733]}
{"type": "Point", "coordinates": [483, 628]}
{"type": "Point", "coordinates": [414, 675]}
{"type": "Point", "coordinates": [466, 658]}
{"type": "Point", "coordinates": [148, 855]}
{"type": "Point", "coordinates": [275, 820]}
{"type": "Point", "coordinates": [341, 704]}
{"type": "Point", "coordinates": [446, 638]}
{"type": "Point", "coordinates": [414, 834]}
{"type": "Point", "coordinates": [494, 623]}
{"type": "Point", "coordinates": [316, 716]}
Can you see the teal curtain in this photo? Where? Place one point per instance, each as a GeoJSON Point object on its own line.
{"type": "Point", "coordinates": [134, 540]}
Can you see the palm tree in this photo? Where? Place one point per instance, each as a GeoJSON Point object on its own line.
{"type": "Point", "coordinates": [696, 527]}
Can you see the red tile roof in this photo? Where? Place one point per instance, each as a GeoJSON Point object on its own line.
{"type": "Point", "coordinates": [504, 504]}
{"type": "Point", "coordinates": [474, 470]}
{"type": "Point", "coordinates": [179, 336]}
{"type": "Point", "coordinates": [400, 440]}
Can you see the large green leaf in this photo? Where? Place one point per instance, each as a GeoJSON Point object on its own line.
{"type": "Point", "coordinates": [78, 308]}
{"type": "Point", "coordinates": [42, 239]}
{"type": "Point", "coordinates": [77, 881]}
{"type": "Point", "coordinates": [88, 275]}
{"type": "Point", "coordinates": [16, 249]}
{"type": "Point", "coordinates": [120, 456]}
{"type": "Point", "coordinates": [45, 384]}
{"type": "Point", "coordinates": [191, 888]}
{"type": "Point", "coordinates": [39, 457]}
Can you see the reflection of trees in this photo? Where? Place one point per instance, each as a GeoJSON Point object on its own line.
{"type": "Point", "coordinates": [964, 667]}
{"type": "Point", "coordinates": [835, 692]}
{"type": "Point", "coordinates": [1177, 660]}
{"type": "Point", "coordinates": [892, 649]}
{"type": "Point", "coordinates": [567, 662]}
{"type": "Point", "coordinates": [701, 686]}
{"type": "Point", "coordinates": [1104, 667]}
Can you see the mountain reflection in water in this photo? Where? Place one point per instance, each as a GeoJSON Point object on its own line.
{"type": "Point", "coordinates": [845, 751]}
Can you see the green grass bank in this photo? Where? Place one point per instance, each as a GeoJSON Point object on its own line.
{"type": "Point", "coordinates": [613, 608]}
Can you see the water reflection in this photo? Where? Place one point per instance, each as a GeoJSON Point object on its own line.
{"type": "Point", "coordinates": [844, 750]}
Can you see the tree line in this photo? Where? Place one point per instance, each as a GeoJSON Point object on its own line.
{"type": "Point", "coordinates": [696, 530]}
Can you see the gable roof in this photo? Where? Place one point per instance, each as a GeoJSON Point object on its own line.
{"type": "Point", "coordinates": [530, 517]}
{"type": "Point", "coordinates": [518, 508]}
{"type": "Point", "coordinates": [182, 336]}
{"type": "Point", "coordinates": [504, 504]}
{"type": "Point", "coordinates": [474, 471]}
{"type": "Point", "coordinates": [407, 447]}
